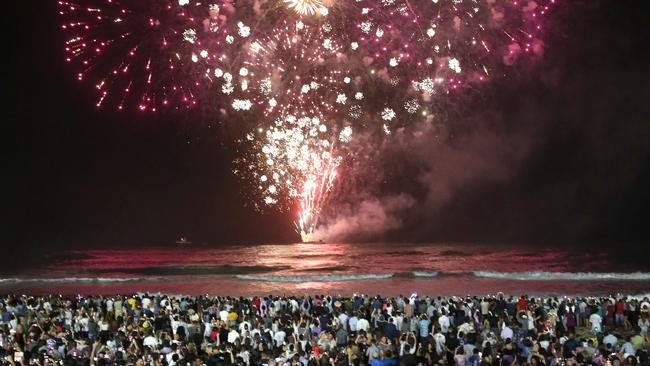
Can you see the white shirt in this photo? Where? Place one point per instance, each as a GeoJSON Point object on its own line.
{"type": "Point", "coordinates": [628, 348]}
{"type": "Point", "coordinates": [506, 333]}
{"type": "Point", "coordinates": [343, 320]}
{"type": "Point", "coordinates": [485, 307]}
{"type": "Point", "coordinates": [242, 326]}
{"type": "Point", "coordinates": [150, 341]}
{"type": "Point", "coordinates": [444, 324]}
{"type": "Point", "coordinates": [465, 328]}
{"type": "Point", "coordinates": [398, 322]}
{"type": "Point", "coordinates": [440, 342]}
{"type": "Point", "coordinates": [175, 324]}
{"type": "Point", "coordinates": [610, 339]}
{"type": "Point", "coordinates": [83, 324]}
{"type": "Point", "coordinates": [223, 315]}
{"type": "Point", "coordinates": [596, 321]}
{"type": "Point", "coordinates": [279, 338]}
{"type": "Point", "coordinates": [363, 324]}
{"type": "Point", "coordinates": [208, 330]}
{"type": "Point", "coordinates": [169, 356]}
{"type": "Point", "coordinates": [352, 322]}
{"type": "Point", "coordinates": [232, 336]}
{"type": "Point", "coordinates": [294, 305]}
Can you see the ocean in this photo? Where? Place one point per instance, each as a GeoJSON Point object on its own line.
{"type": "Point", "coordinates": [386, 269]}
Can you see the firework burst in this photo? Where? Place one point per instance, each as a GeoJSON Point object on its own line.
{"type": "Point", "coordinates": [293, 160]}
{"type": "Point", "coordinates": [413, 52]}
{"type": "Point", "coordinates": [297, 68]}
{"type": "Point", "coordinates": [147, 54]}
{"type": "Point", "coordinates": [307, 7]}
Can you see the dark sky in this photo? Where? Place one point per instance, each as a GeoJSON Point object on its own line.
{"type": "Point", "coordinates": [78, 176]}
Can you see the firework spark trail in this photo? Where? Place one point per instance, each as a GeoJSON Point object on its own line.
{"type": "Point", "coordinates": [147, 54]}
{"type": "Point", "coordinates": [297, 68]}
{"type": "Point", "coordinates": [307, 7]}
{"type": "Point", "coordinates": [313, 197]}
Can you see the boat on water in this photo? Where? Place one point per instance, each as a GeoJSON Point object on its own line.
{"type": "Point", "coordinates": [183, 241]}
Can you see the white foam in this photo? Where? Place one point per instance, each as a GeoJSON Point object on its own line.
{"type": "Point", "coordinates": [569, 276]}
{"type": "Point", "coordinates": [316, 278]}
{"type": "Point", "coordinates": [424, 274]}
{"type": "Point", "coordinates": [17, 280]}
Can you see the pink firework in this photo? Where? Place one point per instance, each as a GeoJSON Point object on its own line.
{"type": "Point", "coordinates": [415, 51]}
{"type": "Point", "coordinates": [144, 54]}
{"type": "Point", "coordinates": [316, 189]}
{"type": "Point", "coordinates": [295, 68]}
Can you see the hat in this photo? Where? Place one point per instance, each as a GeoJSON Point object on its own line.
{"type": "Point", "coordinates": [337, 303]}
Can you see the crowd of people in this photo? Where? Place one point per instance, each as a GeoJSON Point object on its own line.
{"type": "Point", "coordinates": [160, 330]}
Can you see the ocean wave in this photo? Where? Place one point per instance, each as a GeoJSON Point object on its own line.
{"type": "Point", "coordinates": [572, 276]}
{"type": "Point", "coordinates": [425, 274]}
{"type": "Point", "coordinates": [328, 269]}
{"type": "Point", "coordinates": [316, 278]}
{"type": "Point", "coordinates": [186, 270]}
{"type": "Point", "coordinates": [60, 280]}
{"type": "Point", "coordinates": [454, 253]}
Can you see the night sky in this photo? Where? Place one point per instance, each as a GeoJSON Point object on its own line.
{"type": "Point", "coordinates": [576, 125]}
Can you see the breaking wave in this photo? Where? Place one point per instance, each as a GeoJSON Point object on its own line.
{"type": "Point", "coordinates": [316, 278]}
{"type": "Point", "coordinates": [18, 281]}
{"type": "Point", "coordinates": [572, 276]}
{"type": "Point", "coordinates": [425, 274]}
{"type": "Point", "coordinates": [186, 270]}
{"type": "Point", "coordinates": [336, 277]}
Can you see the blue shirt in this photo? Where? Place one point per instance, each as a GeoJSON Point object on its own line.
{"type": "Point", "coordinates": [424, 327]}
{"type": "Point", "coordinates": [474, 360]}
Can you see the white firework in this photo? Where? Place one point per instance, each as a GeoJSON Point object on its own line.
{"type": "Point", "coordinates": [266, 86]}
{"type": "Point", "coordinates": [454, 64]}
{"type": "Point", "coordinates": [365, 27]}
{"type": "Point", "coordinates": [412, 106]}
{"type": "Point", "coordinates": [346, 134]}
{"type": "Point", "coordinates": [426, 85]}
{"type": "Point", "coordinates": [243, 30]}
{"type": "Point", "coordinates": [355, 111]}
{"type": "Point", "coordinates": [227, 88]}
{"type": "Point", "coordinates": [388, 114]}
{"type": "Point", "coordinates": [189, 35]}
{"type": "Point", "coordinates": [242, 104]}
{"type": "Point", "coordinates": [306, 7]}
